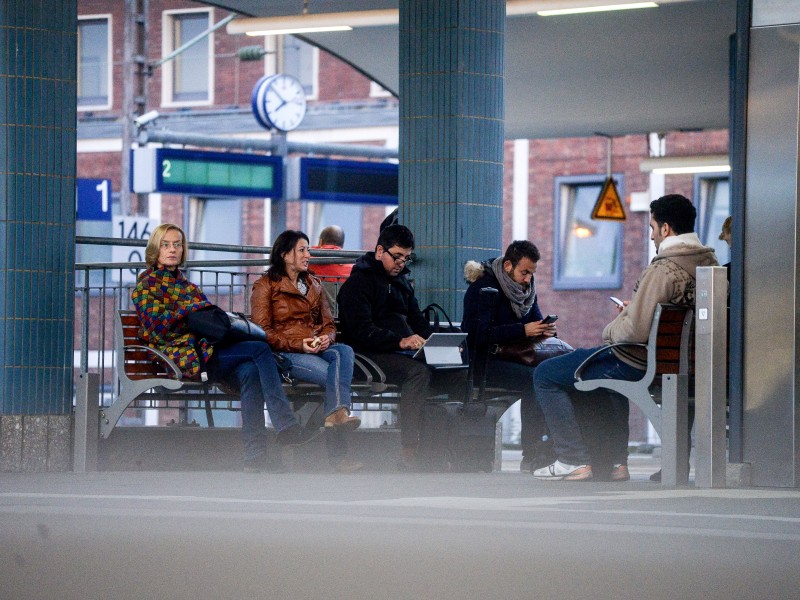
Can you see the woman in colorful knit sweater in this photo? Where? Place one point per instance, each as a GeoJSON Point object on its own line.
{"type": "Point", "coordinates": [164, 298]}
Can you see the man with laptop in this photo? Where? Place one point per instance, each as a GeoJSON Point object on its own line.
{"type": "Point", "coordinates": [380, 318]}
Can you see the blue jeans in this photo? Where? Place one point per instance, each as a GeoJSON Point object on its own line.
{"type": "Point", "coordinates": [332, 369]}
{"type": "Point", "coordinates": [554, 384]}
{"type": "Point", "coordinates": [252, 367]}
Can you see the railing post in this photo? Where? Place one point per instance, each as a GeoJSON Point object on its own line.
{"type": "Point", "coordinates": [84, 450]}
{"type": "Point", "coordinates": [711, 350]}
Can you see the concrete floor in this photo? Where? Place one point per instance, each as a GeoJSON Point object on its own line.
{"type": "Point", "coordinates": [375, 536]}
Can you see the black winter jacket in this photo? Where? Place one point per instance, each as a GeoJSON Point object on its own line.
{"type": "Point", "coordinates": [375, 310]}
{"type": "Point", "coordinates": [502, 325]}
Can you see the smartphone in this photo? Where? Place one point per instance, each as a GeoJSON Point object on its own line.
{"type": "Point", "coordinates": [550, 319]}
{"type": "Point", "coordinates": [617, 301]}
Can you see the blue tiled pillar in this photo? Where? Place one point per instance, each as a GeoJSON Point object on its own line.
{"type": "Point", "coordinates": [451, 138]}
{"type": "Point", "coordinates": [37, 230]}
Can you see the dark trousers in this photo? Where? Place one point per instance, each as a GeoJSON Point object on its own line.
{"type": "Point", "coordinates": [417, 383]}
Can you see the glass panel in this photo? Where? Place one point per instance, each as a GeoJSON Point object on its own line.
{"type": "Point", "coordinates": [190, 77]}
{"type": "Point", "coordinates": [717, 208]}
{"type": "Point", "coordinates": [93, 62]}
{"type": "Point", "coordinates": [590, 247]}
{"type": "Point", "coordinates": [298, 61]}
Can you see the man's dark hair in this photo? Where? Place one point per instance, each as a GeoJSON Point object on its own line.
{"type": "Point", "coordinates": [284, 243]}
{"type": "Point", "coordinates": [520, 249]}
{"type": "Point", "coordinates": [676, 211]}
{"type": "Point", "coordinates": [396, 235]}
{"type": "Point", "coordinates": [332, 235]}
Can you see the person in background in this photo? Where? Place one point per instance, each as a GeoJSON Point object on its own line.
{"type": "Point", "coordinates": [669, 279]}
{"type": "Point", "coordinates": [331, 238]}
{"type": "Point", "coordinates": [289, 303]}
{"type": "Point", "coordinates": [515, 316]}
{"type": "Point", "coordinates": [725, 235]}
{"type": "Point", "coordinates": [163, 299]}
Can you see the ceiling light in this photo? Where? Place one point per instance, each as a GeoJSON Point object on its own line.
{"type": "Point", "coordinates": [672, 165]}
{"type": "Point", "coordinates": [591, 9]}
{"type": "Point", "coordinates": [313, 23]}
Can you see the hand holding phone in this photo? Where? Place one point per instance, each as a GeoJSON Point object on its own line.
{"type": "Point", "coordinates": [617, 301]}
{"type": "Point", "coordinates": [549, 319]}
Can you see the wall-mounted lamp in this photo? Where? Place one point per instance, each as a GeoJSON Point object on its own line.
{"type": "Point", "coordinates": [673, 165]}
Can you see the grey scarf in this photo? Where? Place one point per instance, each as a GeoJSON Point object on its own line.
{"type": "Point", "coordinates": [521, 298]}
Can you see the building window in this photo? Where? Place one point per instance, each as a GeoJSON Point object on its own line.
{"type": "Point", "coordinates": [588, 254]}
{"type": "Point", "coordinates": [712, 193]}
{"type": "Point", "coordinates": [376, 90]}
{"type": "Point", "coordinates": [187, 78]}
{"type": "Point", "coordinates": [301, 60]}
{"type": "Point", "coordinates": [94, 63]}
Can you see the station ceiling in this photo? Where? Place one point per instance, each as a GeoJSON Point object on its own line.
{"type": "Point", "coordinates": [615, 73]}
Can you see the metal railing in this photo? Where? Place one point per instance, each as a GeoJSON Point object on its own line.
{"type": "Point", "coordinates": [102, 289]}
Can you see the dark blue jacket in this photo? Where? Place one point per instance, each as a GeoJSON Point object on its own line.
{"type": "Point", "coordinates": [499, 326]}
{"type": "Point", "coordinates": [375, 310]}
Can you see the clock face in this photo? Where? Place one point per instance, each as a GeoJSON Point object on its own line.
{"type": "Point", "coordinates": [284, 102]}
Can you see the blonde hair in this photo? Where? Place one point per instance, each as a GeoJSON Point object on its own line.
{"type": "Point", "coordinates": [154, 244]}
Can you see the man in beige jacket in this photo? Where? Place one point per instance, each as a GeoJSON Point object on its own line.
{"type": "Point", "coordinates": [670, 278]}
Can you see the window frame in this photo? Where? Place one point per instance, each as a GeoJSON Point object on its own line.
{"type": "Point", "coordinates": [168, 18]}
{"type": "Point", "coordinates": [560, 281]}
{"type": "Point", "coordinates": [108, 18]}
{"type": "Point", "coordinates": [314, 94]}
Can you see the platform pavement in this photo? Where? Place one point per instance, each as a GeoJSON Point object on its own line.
{"type": "Point", "coordinates": [213, 535]}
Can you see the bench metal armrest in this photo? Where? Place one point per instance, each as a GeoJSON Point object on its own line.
{"type": "Point", "coordinates": [375, 377]}
{"type": "Point", "coordinates": [176, 371]}
{"type": "Point", "coordinates": [591, 357]}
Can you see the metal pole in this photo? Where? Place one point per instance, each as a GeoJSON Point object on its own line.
{"type": "Point", "coordinates": [674, 430]}
{"type": "Point", "coordinates": [84, 450]}
{"type": "Point", "coordinates": [711, 358]}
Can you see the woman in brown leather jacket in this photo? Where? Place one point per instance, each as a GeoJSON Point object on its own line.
{"type": "Point", "coordinates": [291, 306]}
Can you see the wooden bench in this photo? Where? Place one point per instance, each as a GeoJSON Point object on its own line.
{"type": "Point", "coordinates": [662, 393]}
{"type": "Point", "coordinates": [146, 374]}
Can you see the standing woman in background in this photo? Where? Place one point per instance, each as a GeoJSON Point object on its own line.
{"type": "Point", "coordinates": [291, 306]}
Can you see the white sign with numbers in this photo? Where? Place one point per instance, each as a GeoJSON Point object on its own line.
{"type": "Point", "coordinates": [134, 228]}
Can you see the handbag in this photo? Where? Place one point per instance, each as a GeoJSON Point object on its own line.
{"type": "Point", "coordinates": [530, 351]}
{"type": "Point", "coordinates": [432, 315]}
{"type": "Point", "coordinates": [220, 327]}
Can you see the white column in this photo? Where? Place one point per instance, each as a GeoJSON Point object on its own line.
{"type": "Point", "coordinates": [519, 213]}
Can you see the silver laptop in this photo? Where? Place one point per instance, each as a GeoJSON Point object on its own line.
{"type": "Point", "coordinates": [444, 350]}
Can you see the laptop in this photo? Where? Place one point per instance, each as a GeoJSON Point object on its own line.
{"type": "Point", "coordinates": [444, 351]}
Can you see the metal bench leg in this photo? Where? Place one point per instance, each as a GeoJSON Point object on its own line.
{"type": "Point", "coordinates": [674, 430]}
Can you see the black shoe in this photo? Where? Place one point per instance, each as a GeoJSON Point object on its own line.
{"type": "Point", "coordinates": [656, 476]}
{"type": "Point", "coordinates": [294, 435]}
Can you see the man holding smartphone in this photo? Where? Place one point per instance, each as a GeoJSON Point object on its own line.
{"type": "Point", "coordinates": [514, 315]}
{"type": "Point", "coordinates": [670, 279]}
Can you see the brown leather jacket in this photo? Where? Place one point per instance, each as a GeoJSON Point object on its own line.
{"type": "Point", "coordinates": [287, 316]}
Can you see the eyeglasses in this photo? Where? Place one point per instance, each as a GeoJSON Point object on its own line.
{"type": "Point", "coordinates": [401, 259]}
{"type": "Point", "coordinates": [176, 245]}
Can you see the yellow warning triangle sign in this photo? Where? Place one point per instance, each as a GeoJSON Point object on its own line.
{"type": "Point", "coordinates": [609, 206]}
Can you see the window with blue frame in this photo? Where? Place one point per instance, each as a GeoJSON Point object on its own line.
{"type": "Point", "coordinates": [588, 253]}
{"type": "Point", "coordinates": [712, 198]}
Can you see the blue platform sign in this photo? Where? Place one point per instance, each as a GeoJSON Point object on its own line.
{"type": "Point", "coordinates": [93, 199]}
{"type": "Point", "coordinates": [352, 181]}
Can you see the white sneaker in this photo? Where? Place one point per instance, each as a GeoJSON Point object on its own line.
{"type": "Point", "coordinates": [559, 471]}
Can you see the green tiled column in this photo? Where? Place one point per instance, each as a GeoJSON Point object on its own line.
{"type": "Point", "coordinates": [37, 231]}
{"type": "Point", "coordinates": [451, 138]}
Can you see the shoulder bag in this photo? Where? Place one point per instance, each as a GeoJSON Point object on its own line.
{"type": "Point", "coordinates": [530, 351]}
{"type": "Point", "coordinates": [220, 327]}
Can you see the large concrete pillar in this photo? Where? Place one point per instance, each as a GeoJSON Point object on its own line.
{"type": "Point", "coordinates": [771, 269]}
{"type": "Point", "coordinates": [451, 138]}
{"type": "Point", "coordinates": [38, 40]}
